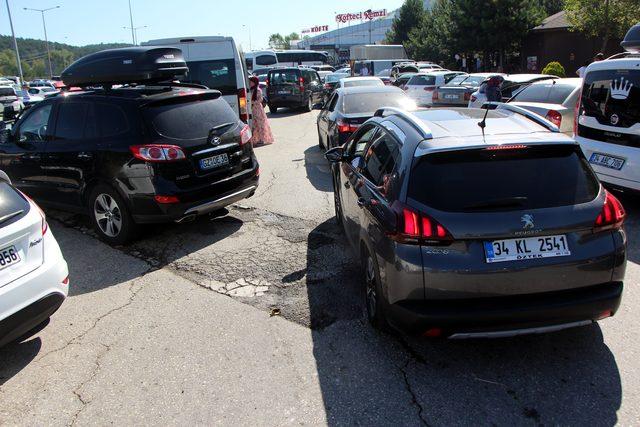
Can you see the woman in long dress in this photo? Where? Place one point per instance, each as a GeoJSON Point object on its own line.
{"type": "Point", "coordinates": [260, 129]}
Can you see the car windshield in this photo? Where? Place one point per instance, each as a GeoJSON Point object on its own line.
{"type": "Point", "coordinates": [6, 91]}
{"type": "Point", "coordinates": [332, 78]}
{"type": "Point", "coordinates": [475, 176]}
{"type": "Point", "coordinates": [462, 80]}
{"type": "Point", "coordinates": [360, 103]}
{"type": "Point", "coordinates": [363, 82]}
{"type": "Point", "coordinates": [549, 93]}
{"type": "Point", "coordinates": [48, 89]}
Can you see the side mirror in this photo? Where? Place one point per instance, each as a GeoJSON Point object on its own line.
{"type": "Point", "coordinates": [318, 106]}
{"type": "Point", "coordinates": [335, 155]}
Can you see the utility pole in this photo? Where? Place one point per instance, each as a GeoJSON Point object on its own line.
{"type": "Point", "coordinates": [248, 28]}
{"type": "Point", "coordinates": [46, 39]}
{"type": "Point", "coordinates": [15, 44]}
{"type": "Point", "coordinates": [133, 31]}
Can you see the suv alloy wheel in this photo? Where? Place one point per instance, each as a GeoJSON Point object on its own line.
{"type": "Point", "coordinates": [110, 216]}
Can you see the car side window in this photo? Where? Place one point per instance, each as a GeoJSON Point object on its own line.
{"type": "Point", "coordinates": [112, 120]}
{"type": "Point", "coordinates": [71, 121]}
{"type": "Point", "coordinates": [333, 102]}
{"type": "Point", "coordinates": [355, 148]}
{"type": "Point", "coordinates": [380, 158]}
{"type": "Point", "coordinates": [34, 128]}
{"type": "Point", "coordinates": [316, 78]}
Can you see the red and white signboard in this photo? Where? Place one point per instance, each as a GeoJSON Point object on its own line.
{"type": "Point", "coordinates": [316, 29]}
{"type": "Point", "coordinates": [367, 15]}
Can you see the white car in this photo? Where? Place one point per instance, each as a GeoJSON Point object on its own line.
{"type": "Point", "coordinates": [34, 279]}
{"type": "Point", "coordinates": [608, 121]}
{"type": "Point", "coordinates": [421, 86]}
{"type": "Point", "coordinates": [553, 99]}
{"type": "Point", "coordinates": [9, 99]}
{"type": "Point", "coordinates": [360, 81]}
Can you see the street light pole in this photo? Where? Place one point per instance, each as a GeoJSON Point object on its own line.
{"type": "Point", "coordinates": [133, 31]}
{"type": "Point", "coordinates": [46, 39]}
{"type": "Point", "coordinates": [248, 28]}
{"type": "Point", "coordinates": [15, 44]}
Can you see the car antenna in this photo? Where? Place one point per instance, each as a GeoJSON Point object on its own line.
{"type": "Point", "coordinates": [483, 123]}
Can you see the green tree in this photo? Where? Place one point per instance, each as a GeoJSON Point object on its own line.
{"type": "Point", "coordinates": [409, 17]}
{"type": "Point", "coordinates": [432, 39]}
{"type": "Point", "coordinates": [603, 18]}
{"type": "Point", "coordinates": [552, 6]}
{"type": "Point", "coordinates": [278, 41]}
{"type": "Point", "coordinates": [554, 69]}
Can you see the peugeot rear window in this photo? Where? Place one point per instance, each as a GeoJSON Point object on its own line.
{"type": "Point", "coordinates": [190, 120]}
{"type": "Point", "coordinates": [612, 92]}
{"type": "Point", "coordinates": [495, 180]}
{"type": "Point", "coordinates": [549, 93]}
{"type": "Point", "coordinates": [215, 74]}
{"type": "Point", "coordinates": [359, 103]}
{"type": "Point", "coordinates": [12, 205]}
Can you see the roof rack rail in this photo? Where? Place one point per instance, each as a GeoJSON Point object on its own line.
{"type": "Point", "coordinates": [624, 55]}
{"type": "Point", "coordinates": [523, 112]}
{"type": "Point", "coordinates": [418, 124]}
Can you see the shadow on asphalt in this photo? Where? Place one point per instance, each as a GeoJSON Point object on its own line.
{"type": "Point", "coordinates": [371, 378]}
{"type": "Point", "coordinates": [318, 169]}
{"type": "Point", "coordinates": [15, 357]}
{"type": "Point", "coordinates": [158, 246]}
{"type": "Point", "coordinates": [285, 112]}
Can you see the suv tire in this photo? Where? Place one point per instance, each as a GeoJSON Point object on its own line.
{"type": "Point", "coordinates": [272, 109]}
{"type": "Point", "coordinates": [373, 292]}
{"type": "Point", "coordinates": [110, 216]}
{"type": "Point", "coordinates": [309, 107]}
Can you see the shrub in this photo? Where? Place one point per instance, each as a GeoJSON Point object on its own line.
{"type": "Point", "coordinates": [555, 69]}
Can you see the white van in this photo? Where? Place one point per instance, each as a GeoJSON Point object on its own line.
{"type": "Point", "coordinates": [607, 122]}
{"type": "Point", "coordinates": [260, 59]}
{"type": "Point", "coordinates": [217, 63]}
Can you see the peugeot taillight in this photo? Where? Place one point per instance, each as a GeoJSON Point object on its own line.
{"type": "Point", "coordinates": [242, 105]}
{"type": "Point", "coordinates": [415, 227]}
{"type": "Point", "coordinates": [554, 117]}
{"type": "Point", "coordinates": [157, 153]}
{"type": "Point", "coordinates": [612, 214]}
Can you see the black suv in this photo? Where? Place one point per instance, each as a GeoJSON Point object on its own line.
{"type": "Point", "coordinates": [294, 88]}
{"type": "Point", "coordinates": [131, 156]}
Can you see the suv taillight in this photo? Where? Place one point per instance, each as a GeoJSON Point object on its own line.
{"type": "Point", "coordinates": [301, 80]}
{"type": "Point", "coordinates": [157, 153]}
{"type": "Point", "coordinates": [242, 105]}
{"type": "Point", "coordinates": [414, 227]}
{"type": "Point", "coordinates": [245, 135]}
{"type": "Point", "coordinates": [612, 215]}
{"type": "Point", "coordinates": [554, 117]}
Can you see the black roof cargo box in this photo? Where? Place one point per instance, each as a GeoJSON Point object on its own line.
{"type": "Point", "coordinates": [126, 65]}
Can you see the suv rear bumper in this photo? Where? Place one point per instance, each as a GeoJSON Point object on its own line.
{"type": "Point", "coordinates": [196, 202]}
{"type": "Point", "coordinates": [507, 316]}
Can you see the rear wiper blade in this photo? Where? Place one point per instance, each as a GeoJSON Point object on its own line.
{"type": "Point", "coordinates": [214, 130]}
{"type": "Point", "coordinates": [11, 215]}
{"type": "Point", "coordinates": [506, 202]}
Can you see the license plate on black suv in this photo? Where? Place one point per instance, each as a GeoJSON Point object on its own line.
{"type": "Point", "coordinates": [214, 162]}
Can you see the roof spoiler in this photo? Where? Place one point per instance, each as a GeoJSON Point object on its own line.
{"type": "Point", "coordinates": [180, 97]}
{"type": "Point", "coordinates": [523, 112]}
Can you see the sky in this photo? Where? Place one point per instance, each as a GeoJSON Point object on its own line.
{"type": "Point", "coordinates": [81, 22]}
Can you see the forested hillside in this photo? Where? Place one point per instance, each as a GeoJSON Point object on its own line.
{"type": "Point", "coordinates": [33, 54]}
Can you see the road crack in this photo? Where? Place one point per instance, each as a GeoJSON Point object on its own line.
{"type": "Point", "coordinates": [414, 398]}
{"type": "Point", "coordinates": [77, 391]}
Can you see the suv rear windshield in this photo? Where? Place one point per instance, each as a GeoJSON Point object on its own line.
{"type": "Point", "coordinates": [422, 81]}
{"type": "Point", "coordinates": [215, 74]}
{"type": "Point", "coordinates": [549, 93]}
{"type": "Point", "coordinates": [283, 76]}
{"type": "Point", "coordinates": [12, 205]}
{"type": "Point", "coordinates": [370, 102]}
{"type": "Point", "coordinates": [7, 91]}
{"type": "Point", "coordinates": [190, 120]}
{"type": "Point", "coordinates": [600, 102]}
{"type": "Point", "coordinates": [531, 178]}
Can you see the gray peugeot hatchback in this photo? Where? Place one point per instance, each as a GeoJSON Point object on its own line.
{"type": "Point", "coordinates": [478, 223]}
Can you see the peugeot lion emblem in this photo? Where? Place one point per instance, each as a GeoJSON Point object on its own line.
{"type": "Point", "coordinates": [614, 119]}
{"type": "Point", "coordinates": [527, 219]}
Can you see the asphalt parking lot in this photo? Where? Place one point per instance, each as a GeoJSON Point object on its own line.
{"type": "Point", "coordinates": [255, 318]}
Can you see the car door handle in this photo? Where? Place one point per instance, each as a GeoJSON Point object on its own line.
{"type": "Point", "coordinates": [85, 156]}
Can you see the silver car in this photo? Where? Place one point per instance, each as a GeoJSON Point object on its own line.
{"type": "Point", "coordinates": [478, 223]}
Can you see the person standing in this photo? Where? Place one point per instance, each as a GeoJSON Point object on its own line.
{"type": "Point", "coordinates": [260, 130]}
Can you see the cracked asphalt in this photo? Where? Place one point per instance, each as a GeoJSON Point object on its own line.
{"type": "Point", "coordinates": [255, 318]}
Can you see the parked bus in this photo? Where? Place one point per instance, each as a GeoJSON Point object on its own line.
{"type": "Point", "coordinates": [260, 59]}
{"type": "Point", "coordinates": [293, 58]}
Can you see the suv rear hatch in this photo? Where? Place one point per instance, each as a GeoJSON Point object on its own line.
{"type": "Point", "coordinates": [285, 85]}
{"type": "Point", "coordinates": [206, 130]}
{"type": "Point", "coordinates": [513, 221]}
{"type": "Point", "coordinates": [21, 231]}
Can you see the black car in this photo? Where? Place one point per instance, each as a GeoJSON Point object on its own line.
{"type": "Point", "coordinates": [293, 88]}
{"type": "Point", "coordinates": [349, 107]}
{"type": "Point", "coordinates": [132, 156]}
{"type": "Point", "coordinates": [458, 233]}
